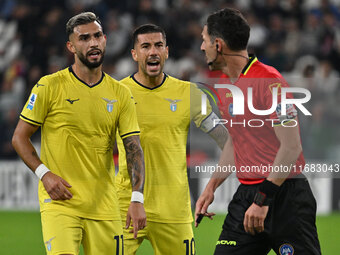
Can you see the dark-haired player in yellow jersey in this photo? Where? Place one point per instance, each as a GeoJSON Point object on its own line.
{"type": "Point", "coordinates": [79, 110]}
{"type": "Point", "coordinates": [164, 114]}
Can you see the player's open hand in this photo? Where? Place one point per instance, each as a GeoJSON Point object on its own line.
{"type": "Point", "coordinates": [56, 186]}
{"type": "Point", "coordinates": [136, 214]}
{"type": "Point", "coordinates": [254, 219]}
{"type": "Point", "coordinates": [202, 205]}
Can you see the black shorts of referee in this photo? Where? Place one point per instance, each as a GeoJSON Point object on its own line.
{"type": "Point", "coordinates": [289, 225]}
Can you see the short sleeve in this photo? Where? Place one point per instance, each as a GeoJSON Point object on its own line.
{"type": "Point", "coordinates": [37, 105]}
{"type": "Point", "coordinates": [127, 123]}
{"type": "Point", "coordinates": [196, 105]}
{"type": "Point", "coordinates": [277, 84]}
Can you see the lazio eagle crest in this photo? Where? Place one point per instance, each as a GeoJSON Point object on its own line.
{"type": "Point", "coordinates": [173, 103]}
{"type": "Point", "coordinates": [109, 105]}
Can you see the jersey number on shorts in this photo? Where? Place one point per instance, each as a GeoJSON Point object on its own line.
{"type": "Point", "coordinates": [117, 244]}
{"type": "Point", "coordinates": [190, 246]}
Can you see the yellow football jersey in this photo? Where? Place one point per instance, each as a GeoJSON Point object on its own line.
{"type": "Point", "coordinates": [164, 118]}
{"type": "Point", "coordinates": [78, 130]}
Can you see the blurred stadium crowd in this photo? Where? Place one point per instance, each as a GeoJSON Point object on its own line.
{"type": "Point", "coordinates": [300, 38]}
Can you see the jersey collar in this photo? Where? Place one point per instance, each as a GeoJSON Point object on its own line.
{"type": "Point", "coordinates": [251, 61]}
{"type": "Point", "coordinates": [71, 70]}
{"type": "Point", "coordinates": [140, 84]}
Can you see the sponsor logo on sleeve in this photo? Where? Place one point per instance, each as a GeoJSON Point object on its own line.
{"type": "Point", "coordinates": [230, 110]}
{"type": "Point", "coordinates": [291, 112]}
{"type": "Point", "coordinates": [31, 102]}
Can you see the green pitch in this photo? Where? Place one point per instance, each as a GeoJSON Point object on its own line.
{"type": "Point", "coordinates": [20, 233]}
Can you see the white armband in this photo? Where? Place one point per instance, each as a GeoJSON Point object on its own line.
{"type": "Point", "coordinates": [41, 170]}
{"type": "Point", "coordinates": [210, 123]}
{"type": "Point", "coordinates": [137, 197]}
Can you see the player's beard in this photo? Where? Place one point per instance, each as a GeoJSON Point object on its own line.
{"type": "Point", "coordinates": [87, 63]}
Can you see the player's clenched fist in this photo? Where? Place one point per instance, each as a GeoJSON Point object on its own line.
{"type": "Point", "coordinates": [56, 186]}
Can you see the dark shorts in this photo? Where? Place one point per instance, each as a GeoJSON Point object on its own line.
{"type": "Point", "coordinates": [289, 225]}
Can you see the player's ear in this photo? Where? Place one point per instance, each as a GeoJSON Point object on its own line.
{"type": "Point", "coordinates": [134, 54]}
{"type": "Point", "coordinates": [167, 52]}
{"type": "Point", "coordinates": [70, 47]}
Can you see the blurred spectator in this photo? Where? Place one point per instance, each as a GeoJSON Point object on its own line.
{"type": "Point", "coordinates": [12, 87]}
{"type": "Point", "coordinates": [292, 40]}
{"type": "Point", "coordinates": [117, 30]}
{"type": "Point", "coordinates": [326, 6]}
{"type": "Point", "coordinates": [330, 39]}
{"type": "Point", "coordinates": [258, 34]}
{"type": "Point", "coordinates": [146, 13]}
{"type": "Point", "coordinates": [10, 43]}
{"type": "Point", "coordinates": [294, 10]}
{"type": "Point", "coordinates": [267, 8]}
{"type": "Point", "coordinates": [277, 32]}
{"type": "Point", "coordinates": [274, 56]}
{"type": "Point", "coordinates": [309, 43]}
{"type": "Point", "coordinates": [327, 79]}
{"type": "Point", "coordinates": [7, 126]}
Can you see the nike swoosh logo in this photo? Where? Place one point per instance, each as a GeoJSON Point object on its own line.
{"type": "Point", "coordinates": [71, 101]}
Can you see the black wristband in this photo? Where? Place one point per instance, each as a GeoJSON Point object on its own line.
{"type": "Point", "coordinates": [266, 193]}
{"type": "Point", "coordinates": [268, 188]}
{"type": "Point", "coordinates": [261, 199]}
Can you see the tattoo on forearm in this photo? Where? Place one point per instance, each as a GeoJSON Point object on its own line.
{"type": "Point", "coordinates": [34, 154]}
{"type": "Point", "coordinates": [135, 162]}
{"type": "Point", "coordinates": [220, 135]}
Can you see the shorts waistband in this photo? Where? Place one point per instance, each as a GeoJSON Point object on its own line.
{"type": "Point", "coordinates": [296, 178]}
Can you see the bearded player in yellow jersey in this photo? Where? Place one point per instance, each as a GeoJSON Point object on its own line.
{"type": "Point", "coordinates": [79, 110]}
{"type": "Point", "coordinates": [164, 115]}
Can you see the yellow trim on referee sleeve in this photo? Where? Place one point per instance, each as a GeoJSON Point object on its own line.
{"type": "Point", "coordinates": [288, 121]}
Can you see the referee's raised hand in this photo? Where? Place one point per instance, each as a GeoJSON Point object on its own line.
{"type": "Point", "coordinates": [56, 186]}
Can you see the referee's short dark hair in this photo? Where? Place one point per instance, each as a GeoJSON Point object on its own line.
{"type": "Point", "coordinates": [229, 25]}
{"type": "Point", "coordinates": [80, 19]}
{"type": "Point", "coordinates": [147, 29]}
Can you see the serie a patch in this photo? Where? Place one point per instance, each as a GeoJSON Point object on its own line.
{"type": "Point", "coordinates": [31, 102]}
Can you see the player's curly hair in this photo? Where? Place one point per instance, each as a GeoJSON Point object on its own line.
{"type": "Point", "coordinates": [229, 25]}
{"type": "Point", "coordinates": [147, 29]}
{"type": "Point", "coordinates": [80, 19]}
